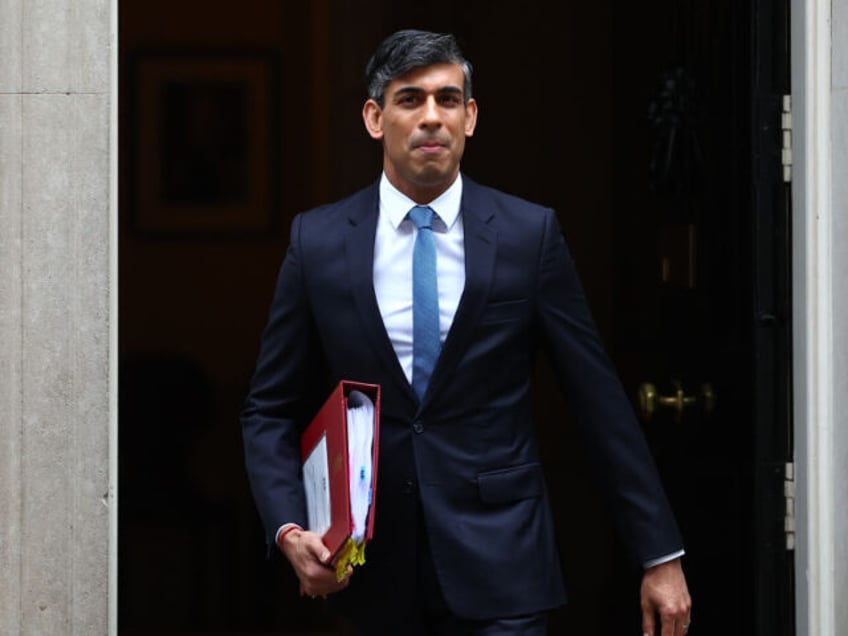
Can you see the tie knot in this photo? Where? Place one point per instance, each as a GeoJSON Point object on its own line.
{"type": "Point", "coordinates": [422, 216]}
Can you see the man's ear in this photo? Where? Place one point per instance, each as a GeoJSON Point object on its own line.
{"type": "Point", "coordinates": [470, 117]}
{"type": "Point", "coordinates": [372, 115]}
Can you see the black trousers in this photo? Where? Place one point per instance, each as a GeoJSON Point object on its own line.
{"type": "Point", "coordinates": [432, 616]}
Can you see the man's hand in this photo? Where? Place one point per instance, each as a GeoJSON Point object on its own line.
{"type": "Point", "coordinates": [664, 593]}
{"type": "Point", "coordinates": [310, 559]}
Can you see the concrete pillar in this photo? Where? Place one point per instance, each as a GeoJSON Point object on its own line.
{"type": "Point", "coordinates": [56, 313]}
{"type": "Point", "coordinates": [839, 153]}
{"type": "Point", "coordinates": [820, 318]}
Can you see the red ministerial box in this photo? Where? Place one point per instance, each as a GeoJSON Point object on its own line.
{"type": "Point", "coordinates": [331, 423]}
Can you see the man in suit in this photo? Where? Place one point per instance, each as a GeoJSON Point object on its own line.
{"type": "Point", "coordinates": [464, 540]}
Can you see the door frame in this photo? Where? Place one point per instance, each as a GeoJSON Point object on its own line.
{"type": "Point", "coordinates": [813, 317]}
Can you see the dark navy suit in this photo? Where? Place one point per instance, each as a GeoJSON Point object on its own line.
{"type": "Point", "coordinates": [465, 459]}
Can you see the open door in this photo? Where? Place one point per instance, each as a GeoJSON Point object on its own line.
{"type": "Point", "coordinates": [682, 168]}
{"type": "Point", "coordinates": [702, 267]}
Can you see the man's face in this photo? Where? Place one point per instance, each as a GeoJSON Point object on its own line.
{"type": "Point", "coordinates": [423, 125]}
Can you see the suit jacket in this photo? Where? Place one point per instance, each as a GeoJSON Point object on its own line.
{"type": "Point", "coordinates": [465, 457]}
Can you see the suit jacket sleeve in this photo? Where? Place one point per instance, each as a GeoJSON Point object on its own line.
{"type": "Point", "coordinates": [285, 391]}
{"type": "Point", "coordinates": [612, 436]}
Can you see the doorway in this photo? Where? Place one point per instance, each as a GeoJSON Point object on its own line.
{"type": "Point", "coordinates": [639, 124]}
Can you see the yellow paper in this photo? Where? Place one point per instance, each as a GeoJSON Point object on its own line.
{"type": "Point", "coordinates": [352, 554]}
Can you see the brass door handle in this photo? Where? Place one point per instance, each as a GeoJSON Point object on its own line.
{"type": "Point", "coordinates": [650, 400]}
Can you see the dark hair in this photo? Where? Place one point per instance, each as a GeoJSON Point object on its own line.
{"type": "Point", "coordinates": [409, 49]}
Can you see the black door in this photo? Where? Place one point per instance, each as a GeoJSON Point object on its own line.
{"type": "Point", "coordinates": [701, 331]}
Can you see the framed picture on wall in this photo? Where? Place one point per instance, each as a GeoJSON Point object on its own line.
{"type": "Point", "coordinates": [203, 147]}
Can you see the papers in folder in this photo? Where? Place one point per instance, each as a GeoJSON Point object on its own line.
{"type": "Point", "coordinates": [339, 450]}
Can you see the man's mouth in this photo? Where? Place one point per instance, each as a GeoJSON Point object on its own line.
{"type": "Point", "coordinates": [430, 146]}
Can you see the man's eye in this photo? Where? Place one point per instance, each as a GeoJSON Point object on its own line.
{"type": "Point", "coordinates": [450, 100]}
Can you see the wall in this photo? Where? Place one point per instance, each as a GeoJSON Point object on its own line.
{"type": "Point", "coordinates": [55, 316]}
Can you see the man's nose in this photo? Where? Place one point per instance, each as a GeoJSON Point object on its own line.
{"type": "Point", "coordinates": [431, 115]}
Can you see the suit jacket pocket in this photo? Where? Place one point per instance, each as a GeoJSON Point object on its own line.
{"type": "Point", "coordinates": [511, 484]}
{"type": "Point", "coordinates": [505, 311]}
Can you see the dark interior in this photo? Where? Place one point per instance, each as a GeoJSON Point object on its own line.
{"type": "Point", "coordinates": [632, 120]}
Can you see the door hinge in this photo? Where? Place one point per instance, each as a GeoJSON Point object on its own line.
{"type": "Point", "coordinates": [786, 134]}
{"type": "Point", "coordinates": [789, 498]}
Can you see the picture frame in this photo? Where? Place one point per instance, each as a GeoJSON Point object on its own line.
{"type": "Point", "coordinates": [204, 143]}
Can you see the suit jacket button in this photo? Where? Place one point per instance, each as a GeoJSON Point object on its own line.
{"type": "Point", "coordinates": [408, 487]}
{"type": "Point", "coordinates": [418, 426]}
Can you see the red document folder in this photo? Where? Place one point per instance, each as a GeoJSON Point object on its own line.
{"type": "Point", "coordinates": [328, 431]}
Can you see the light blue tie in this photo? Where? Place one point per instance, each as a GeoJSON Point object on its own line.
{"type": "Point", "coordinates": [425, 301]}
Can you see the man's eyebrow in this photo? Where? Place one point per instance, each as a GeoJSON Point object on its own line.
{"type": "Point", "coordinates": [407, 90]}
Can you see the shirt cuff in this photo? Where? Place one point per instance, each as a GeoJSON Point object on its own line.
{"type": "Point", "coordinates": [663, 559]}
{"type": "Point", "coordinates": [284, 528]}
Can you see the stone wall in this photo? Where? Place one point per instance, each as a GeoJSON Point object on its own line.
{"type": "Point", "coordinates": [55, 312]}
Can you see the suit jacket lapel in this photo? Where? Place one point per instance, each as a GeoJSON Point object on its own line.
{"type": "Point", "coordinates": [359, 250]}
{"type": "Point", "coordinates": [480, 249]}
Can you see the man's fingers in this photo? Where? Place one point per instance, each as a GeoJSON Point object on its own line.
{"type": "Point", "coordinates": [319, 578]}
{"type": "Point", "coordinates": [678, 618]}
{"type": "Point", "coordinates": [671, 623]}
{"type": "Point", "coordinates": [649, 617]}
{"type": "Point", "coordinates": [322, 581]}
{"type": "Point", "coordinates": [313, 544]}
{"type": "Point", "coordinates": [664, 593]}
{"type": "Point", "coordinates": [667, 624]}
{"type": "Point", "coordinates": [311, 561]}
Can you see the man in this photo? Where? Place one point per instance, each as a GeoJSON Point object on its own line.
{"type": "Point", "coordinates": [441, 291]}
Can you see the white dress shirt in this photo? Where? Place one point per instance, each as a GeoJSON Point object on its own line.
{"type": "Point", "coordinates": [393, 247]}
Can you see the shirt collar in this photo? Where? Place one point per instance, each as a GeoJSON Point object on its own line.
{"type": "Point", "coordinates": [396, 205]}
